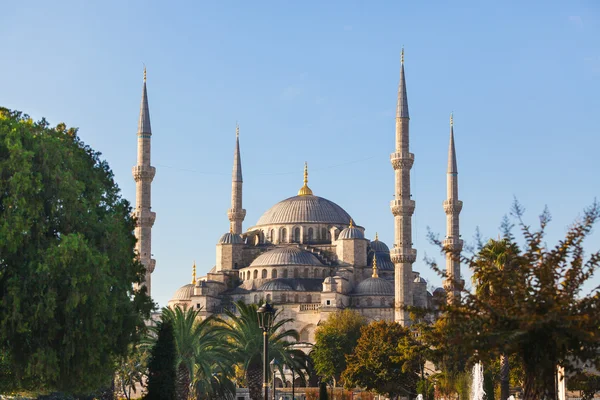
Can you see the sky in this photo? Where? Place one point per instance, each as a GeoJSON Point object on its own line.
{"type": "Point", "coordinates": [317, 82]}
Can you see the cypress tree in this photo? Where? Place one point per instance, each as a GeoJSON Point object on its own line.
{"type": "Point", "coordinates": [323, 391]}
{"type": "Point", "coordinates": [161, 369]}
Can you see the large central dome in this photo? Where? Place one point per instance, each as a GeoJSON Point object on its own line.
{"type": "Point", "coordinates": [305, 209]}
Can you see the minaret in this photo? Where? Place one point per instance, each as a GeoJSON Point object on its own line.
{"type": "Point", "coordinates": [236, 213]}
{"type": "Point", "coordinates": [452, 206]}
{"type": "Point", "coordinates": [403, 255]}
{"type": "Point", "coordinates": [143, 173]}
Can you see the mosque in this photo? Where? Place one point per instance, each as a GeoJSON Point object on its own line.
{"type": "Point", "coordinates": [306, 255]}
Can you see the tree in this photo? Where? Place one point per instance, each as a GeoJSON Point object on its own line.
{"type": "Point", "coordinates": [132, 370]}
{"type": "Point", "coordinates": [538, 311]}
{"type": "Point", "coordinates": [377, 363]}
{"type": "Point", "coordinates": [161, 368]}
{"type": "Point", "coordinates": [68, 308]}
{"type": "Point", "coordinates": [323, 391]}
{"type": "Point", "coordinates": [335, 339]}
{"type": "Point", "coordinates": [246, 345]}
{"type": "Point", "coordinates": [587, 383]}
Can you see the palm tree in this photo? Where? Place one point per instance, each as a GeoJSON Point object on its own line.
{"type": "Point", "coordinates": [496, 257]}
{"type": "Point", "coordinates": [246, 341]}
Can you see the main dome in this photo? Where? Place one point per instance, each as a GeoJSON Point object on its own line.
{"type": "Point", "coordinates": [305, 209]}
{"type": "Point", "coordinates": [286, 256]}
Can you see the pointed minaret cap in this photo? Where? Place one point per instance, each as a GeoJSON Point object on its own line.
{"type": "Point", "coordinates": [144, 122]}
{"type": "Point", "coordinates": [452, 167]}
{"type": "Point", "coordinates": [237, 158]}
{"type": "Point", "coordinates": [375, 274]}
{"type": "Point", "coordinates": [194, 273]}
{"type": "Point", "coordinates": [305, 190]}
{"type": "Point", "coordinates": [402, 107]}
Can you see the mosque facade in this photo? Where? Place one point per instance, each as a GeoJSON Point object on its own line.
{"type": "Point", "coordinates": [306, 255]}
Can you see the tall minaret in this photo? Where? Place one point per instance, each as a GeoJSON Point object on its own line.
{"type": "Point", "coordinates": [236, 213]}
{"type": "Point", "coordinates": [452, 206]}
{"type": "Point", "coordinates": [143, 173]}
{"type": "Point", "coordinates": [403, 255]}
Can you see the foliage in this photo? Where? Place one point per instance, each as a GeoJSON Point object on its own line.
{"type": "Point", "coordinates": [378, 364]}
{"type": "Point", "coordinates": [161, 368]}
{"type": "Point", "coordinates": [335, 339]}
{"type": "Point", "coordinates": [532, 306]}
{"type": "Point", "coordinates": [131, 370]}
{"type": "Point", "coordinates": [588, 384]}
{"type": "Point", "coordinates": [426, 388]}
{"type": "Point", "coordinates": [246, 345]}
{"type": "Point", "coordinates": [323, 391]}
{"type": "Point", "coordinates": [68, 308]}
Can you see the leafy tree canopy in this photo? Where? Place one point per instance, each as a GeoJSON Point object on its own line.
{"type": "Point", "coordinates": [334, 340]}
{"type": "Point", "coordinates": [67, 263]}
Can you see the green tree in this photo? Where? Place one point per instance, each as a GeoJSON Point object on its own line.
{"type": "Point", "coordinates": [246, 345]}
{"type": "Point", "coordinates": [538, 311]}
{"type": "Point", "coordinates": [68, 308]}
{"type": "Point", "coordinates": [587, 383]}
{"type": "Point", "coordinates": [336, 338]}
{"type": "Point", "coordinates": [161, 368]}
{"type": "Point", "coordinates": [323, 391]}
{"type": "Point", "coordinates": [377, 363]}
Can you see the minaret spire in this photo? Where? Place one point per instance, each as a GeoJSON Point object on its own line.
{"type": "Point", "coordinates": [403, 255]}
{"type": "Point", "coordinates": [452, 207]}
{"type": "Point", "coordinates": [305, 190]}
{"type": "Point", "coordinates": [236, 213]}
{"type": "Point", "coordinates": [143, 173]}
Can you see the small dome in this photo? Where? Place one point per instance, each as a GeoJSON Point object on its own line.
{"type": "Point", "coordinates": [378, 246]}
{"type": "Point", "coordinates": [184, 293]}
{"type": "Point", "coordinates": [375, 287]}
{"type": "Point", "coordinates": [231, 238]}
{"type": "Point", "coordinates": [275, 284]}
{"type": "Point", "coordinates": [419, 279]}
{"type": "Point", "coordinates": [351, 232]}
{"type": "Point", "coordinates": [439, 292]}
{"type": "Point", "coordinates": [286, 256]}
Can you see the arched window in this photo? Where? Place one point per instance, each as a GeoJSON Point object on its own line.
{"type": "Point", "coordinates": [297, 235]}
{"type": "Point", "coordinates": [268, 298]}
{"type": "Point", "coordinates": [369, 302]}
{"type": "Point", "coordinates": [285, 273]}
{"type": "Point", "coordinates": [315, 273]}
{"type": "Point", "coordinates": [273, 273]}
{"type": "Point", "coordinates": [296, 275]}
{"type": "Point", "coordinates": [264, 273]}
{"type": "Point", "coordinates": [283, 298]}
{"type": "Point", "coordinates": [324, 234]}
{"type": "Point", "coordinates": [255, 274]}
{"type": "Point", "coordinates": [305, 273]}
{"type": "Point", "coordinates": [272, 236]}
{"type": "Point", "coordinates": [296, 299]}
{"type": "Point", "coordinates": [283, 238]}
{"type": "Point", "coordinates": [324, 273]}
{"type": "Point", "coordinates": [328, 236]}
{"type": "Point", "coordinates": [310, 234]}
{"type": "Point", "coordinates": [256, 299]}
{"type": "Point", "coordinates": [308, 298]}
{"type": "Point", "coordinates": [382, 301]}
{"type": "Point", "coordinates": [242, 276]}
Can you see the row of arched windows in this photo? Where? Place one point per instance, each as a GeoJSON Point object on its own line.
{"type": "Point", "coordinates": [284, 298]}
{"type": "Point", "coordinates": [370, 302]}
{"type": "Point", "coordinates": [310, 235]}
{"type": "Point", "coordinates": [317, 273]}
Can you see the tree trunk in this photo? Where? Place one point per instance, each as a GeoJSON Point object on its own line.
{"type": "Point", "coordinates": [182, 384]}
{"type": "Point", "coordinates": [504, 377]}
{"type": "Point", "coordinates": [539, 385]}
{"type": "Point", "coordinates": [254, 379]}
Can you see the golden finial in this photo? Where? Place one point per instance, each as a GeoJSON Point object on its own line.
{"type": "Point", "coordinates": [144, 73]}
{"type": "Point", "coordinates": [451, 119]}
{"type": "Point", "coordinates": [237, 130]}
{"type": "Point", "coordinates": [375, 275]}
{"type": "Point", "coordinates": [351, 224]}
{"type": "Point", "coordinates": [376, 236]}
{"type": "Point", "coordinates": [402, 56]}
{"type": "Point", "coordinates": [194, 273]}
{"type": "Point", "coordinates": [305, 190]}
{"type": "Point", "coordinates": [230, 229]}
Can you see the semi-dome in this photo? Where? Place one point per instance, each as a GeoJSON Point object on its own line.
{"type": "Point", "coordinates": [184, 293]}
{"type": "Point", "coordinates": [231, 238]}
{"type": "Point", "coordinates": [275, 284]}
{"type": "Point", "coordinates": [374, 287]}
{"type": "Point", "coordinates": [286, 256]}
{"type": "Point", "coordinates": [351, 232]}
{"type": "Point", "coordinates": [305, 209]}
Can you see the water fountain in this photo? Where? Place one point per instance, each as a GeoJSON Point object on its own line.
{"type": "Point", "coordinates": [477, 392]}
{"type": "Point", "coordinates": [420, 397]}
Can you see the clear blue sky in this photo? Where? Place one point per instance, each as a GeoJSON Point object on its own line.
{"type": "Point", "coordinates": [316, 81]}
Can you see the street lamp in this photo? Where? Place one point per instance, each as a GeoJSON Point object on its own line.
{"type": "Point", "coordinates": [293, 377]}
{"type": "Point", "coordinates": [265, 321]}
{"type": "Point", "coordinates": [274, 365]}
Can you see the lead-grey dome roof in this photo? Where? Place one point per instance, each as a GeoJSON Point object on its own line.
{"type": "Point", "coordinates": [184, 293]}
{"type": "Point", "coordinates": [286, 256]}
{"type": "Point", "coordinates": [305, 209]}
{"type": "Point", "coordinates": [378, 245]}
{"type": "Point", "coordinates": [231, 238]}
{"type": "Point", "coordinates": [384, 262]}
{"type": "Point", "coordinates": [351, 233]}
{"type": "Point", "coordinates": [374, 287]}
{"type": "Point", "coordinates": [275, 284]}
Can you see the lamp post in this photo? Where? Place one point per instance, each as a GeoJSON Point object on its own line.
{"type": "Point", "coordinates": [293, 378]}
{"type": "Point", "coordinates": [265, 321]}
{"type": "Point", "coordinates": [274, 365]}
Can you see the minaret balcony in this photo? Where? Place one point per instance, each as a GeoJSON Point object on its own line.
{"type": "Point", "coordinates": [143, 173]}
{"type": "Point", "coordinates": [143, 217]}
{"type": "Point", "coordinates": [236, 214]}
{"type": "Point", "coordinates": [402, 160]}
{"type": "Point", "coordinates": [401, 255]}
{"type": "Point", "coordinates": [452, 243]}
{"type": "Point", "coordinates": [402, 207]}
{"type": "Point", "coordinates": [453, 206]}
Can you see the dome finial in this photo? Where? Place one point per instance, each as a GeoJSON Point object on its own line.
{"type": "Point", "coordinates": [351, 223]}
{"type": "Point", "coordinates": [451, 119]}
{"type": "Point", "coordinates": [144, 73]}
{"type": "Point", "coordinates": [305, 190]}
{"type": "Point", "coordinates": [375, 275]}
{"type": "Point", "coordinates": [376, 236]}
{"type": "Point", "coordinates": [194, 273]}
{"type": "Point", "coordinates": [402, 55]}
